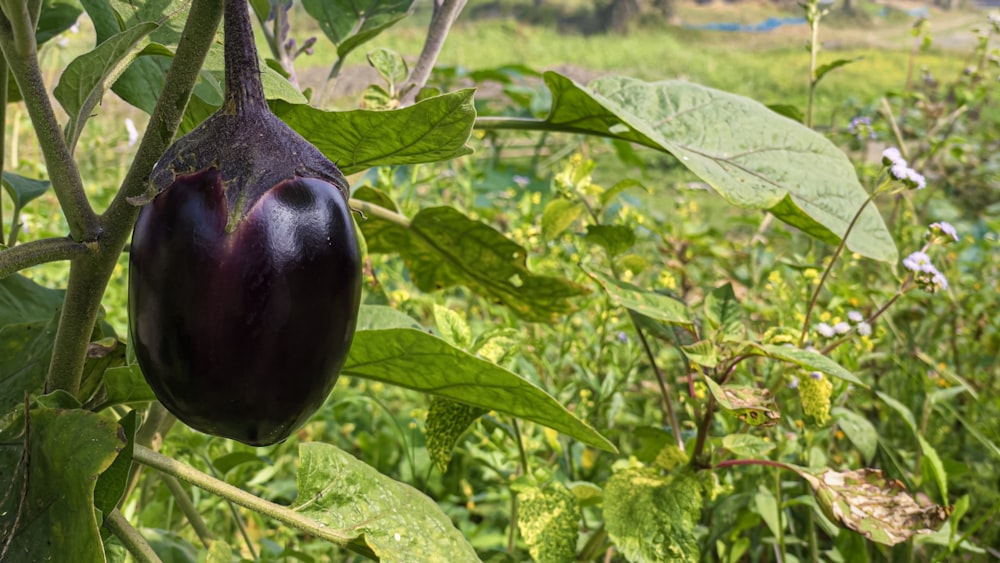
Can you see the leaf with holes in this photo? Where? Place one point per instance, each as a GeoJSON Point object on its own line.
{"type": "Point", "coordinates": [752, 405]}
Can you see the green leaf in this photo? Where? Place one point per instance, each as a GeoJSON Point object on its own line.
{"type": "Point", "coordinates": [868, 503]}
{"type": "Point", "coordinates": [398, 522]}
{"type": "Point", "coordinates": [902, 410]}
{"type": "Point", "coordinates": [648, 303]}
{"type": "Point", "coordinates": [22, 190]}
{"type": "Point", "coordinates": [389, 65]}
{"type": "Point", "coordinates": [102, 355]}
{"type": "Point", "coordinates": [25, 350]}
{"type": "Point", "coordinates": [859, 431]}
{"type": "Point", "coordinates": [349, 24]}
{"type": "Point", "coordinates": [422, 362]}
{"type": "Point", "coordinates": [753, 157]}
{"type": "Point", "coordinates": [126, 385]}
{"type": "Point", "coordinates": [446, 422]}
{"type": "Point", "coordinates": [434, 129]}
{"type": "Point", "coordinates": [806, 359]}
{"type": "Point", "coordinates": [373, 317]}
{"type": "Point", "coordinates": [441, 247]}
{"type": "Point", "coordinates": [112, 483]}
{"type": "Point", "coordinates": [725, 314]}
{"type": "Point", "coordinates": [228, 462]}
{"type": "Point", "coordinates": [933, 462]}
{"type": "Point", "coordinates": [548, 518]}
{"type": "Point", "coordinates": [56, 17]}
{"type": "Point", "coordinates": [611, 193]}
{"type": "Point", "coordinates": [747, 445]}
{"type": "Point", "coordinates": [704, 353]}
{"type": "Point", "coordinates": [83, 84]}
{"type": "Point", "coordinates": [651, 517]}
{"type": "Point", "coordinates": [68, 451]}
{"type": "Point", "coordinates": [452, 327]}
{"type": "Point", "coordinates": [615, 239]}
{"type": "Point", "coordinates": [822, 70]}
{"type": "Point", "coordinates": [752, 405]}
{"type": "Point", "coordinates": [558, 215]}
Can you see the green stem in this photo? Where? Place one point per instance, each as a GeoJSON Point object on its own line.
{"type": "Point", "coordinates": [18, 44]}
{"type": "Point", "coordinates": [595, 543]}
{"type": "Point", "coordinates": [188, 508]}
{"type": "Point", "coordinates": [238, 496]}
{"type": "Point", "coordinates": [662, 380]}
{"type": "Point", "coordinates": [89, 275]}
{"type": "Point", "coordinates": [782, 551]}
{"type": "Point", "coordinates": [130, 537]}
{"type": "Point", "coordinates": [3, 137]}
{"type": "Point", "coordinates": [815, 16]}
{"type": "Point", "coordinates": [366, 208]}
{"type": "Point", "coordinates": [39, 252]}
{"type": "Point", "coordinates": [829, 267]}
{"type": "Point", "coordinates": [520, 447]}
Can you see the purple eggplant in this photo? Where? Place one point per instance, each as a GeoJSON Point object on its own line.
{"type": "Point", "coordinates": [245, 271]}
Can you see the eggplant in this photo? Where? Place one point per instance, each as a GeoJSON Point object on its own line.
{"type": "Point", "coordinates": [244, 268]}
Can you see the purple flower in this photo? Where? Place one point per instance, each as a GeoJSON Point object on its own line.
{"type": "Point", "coordinates": [943, 228]}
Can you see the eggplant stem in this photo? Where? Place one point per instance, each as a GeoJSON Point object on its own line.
{"type": "Point", "coordinates": [243, 87]}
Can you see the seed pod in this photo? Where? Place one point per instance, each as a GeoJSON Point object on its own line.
{"type": "Point", "coordinates": [244, 273]}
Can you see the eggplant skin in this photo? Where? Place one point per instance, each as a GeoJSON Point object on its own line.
{"type": "Point", "coordinates": [243, 334]}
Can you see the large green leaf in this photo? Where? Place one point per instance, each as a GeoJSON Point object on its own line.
{"type": "Point", "coordinates": [86, 79]}
{"type": "Point", "coordinates": [806, 359]}
{"type": "Point", "coordinates": [398, 522]}
{"type": "Point", "coordinates": [652, 518]}
{"type": "Point", "coordinates": [751, 156]}
{"type": "Point", "coordinates": [647, 303]}
{"type": "Point", "coordinates": [25, 350]}
{"type": "Point", "coordinates": [52, 514]}
{"type": "Point", "coordinates": [349, 23]}
{"type": "Point", "coordinates": [442, 247]}
{"type": "Point", "coordinates": [56, 17]}
{"type": "Point", "coordinates": [423, 362]}
{"type": "Point", "coordinates": [22, 189]}
{"type": "Point", "coordinates": [548, 518]}
{"type": "Point", "coordinates": [24, 301]}
{"type": "Point", "coordinates": [433, 129]}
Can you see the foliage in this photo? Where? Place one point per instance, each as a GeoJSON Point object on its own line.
{"type": "Point", "coordinates": [587, 339]}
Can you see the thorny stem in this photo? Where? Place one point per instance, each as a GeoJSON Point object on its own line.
{"type": "Point", "coordinates": [445, 13]}
{"type": "Point", "coordinates": [829, 267]}
{"type": "Point", "coordinates": [17, 41]}
{"type": "Point", "coordinates": [238, 496]}
{"type": "Point", "coordinates": [130, 537]}
{"type": "Point", "coordinates": [661, 379]}
{"type": "Point", "coordinates": [38, 252]}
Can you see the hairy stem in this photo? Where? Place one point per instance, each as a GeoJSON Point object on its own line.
{"type": "Point", "coordinates": [90, 273]}
{"type": "Point", "coordinates": [39, 252]}
{"type": "Point", "coordinates": [238, 496]}
{"type": "Point", "coordinates": [188, 508]}
{"type": "Point", "coordinates": [130, 537]}
{"type": "Point", "coordinates": [445, 13]}
{"type": "Point", "coordinates": [243, 87]}
{"type": "Point", "coordinates": [17, 41]}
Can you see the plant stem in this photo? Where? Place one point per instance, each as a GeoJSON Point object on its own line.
{"type": "Point", "coordinates": [17, 41]}
{"type": "Point", "coordinates": [365, 207]}
{"type": "Point", "coordinates": [520, 447]}
{"type": "Point", "coordinates": [130, 537]}
{"type": "Point", "coordinates": [39, 252]}
{"type": "Point", "coordinates": [813, 15]}
{"type": "Point", "coordinates": [188, 508]}
{"type": "Point", "coordinates": [706, 422]}
{"type": "Point", "coordinates": [90, 273]}
{"type": "Point", "coordinates": [445, 13]}
{"type": "Point", "coordinates": [829, 267]}
{"type": "Point", "coordinates": [238, 496]}
{"type": "Point", "coordinates": [594, 544]}
{"type": "Point", "coordinates": [3, 138]}
{"type": "Point", "coordinates": [243, 87]}
{"type": "Point", "coordinates": [767, 462]}
{"type": "Point", "coordinates": [662, 380]}
{"type": "Point", "coordinates": [778, 499]}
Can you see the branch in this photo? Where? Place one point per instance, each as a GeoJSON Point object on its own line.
{"type": "Point", "coordinates": [38, 252]}
{"type": "Point", "coordinates": [130, 537]}
{"type": "Point", "coordinates": [18, 44]}
{"type": "Point", "coordinates": [238, 496]}
{"type": "Point", "coordinates": [445, 13]}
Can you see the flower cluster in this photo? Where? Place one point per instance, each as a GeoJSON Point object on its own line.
{"type": "Point", "coordinates": [926, 276]}
{"type": "Point", "coordinates": [861, 128]}
{"type": "Point", "coordinates": [901, 171]}
{"type": "Point", "coordinates": [829, 331]}
{"type": "Point", "coordinates": [814, 392]}
{"type": "Point", "coordinates": [943, 230]}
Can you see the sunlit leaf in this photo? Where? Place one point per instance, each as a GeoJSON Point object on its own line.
{"type": "Point", "coordinates": [348, 23]}
{"type": "Point", "coordinates": [446, 422]}
{"type": "Point", "coordinates": [724, 312]}
{"type": "Point", "coordinates": [548, 518]}
{"type": "Point", "coordinates": [648, 303]}
{"type": "Point", "coordinates": [751, 156]}
{"type": "Point", "coordinates": [398, 522]}
{"type": "Point", "coordinates": [747, 445]}
{"type": "Point", "coordinates": [558, 215]}
{"type": "Point", "coordinates": [422, 362]}
{"type": "Point", "coordinates": [615, 239]}
{"type": "Point", "coordinates": [859, 431]}
{"type": "Point", "coordinates": [651, 517]}
{"type": "Point", "coordinates": [808, 360]}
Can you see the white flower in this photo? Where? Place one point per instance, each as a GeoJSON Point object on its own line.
{"type": "Point", "coordinates": [521, 181]}
{"type": "Point", "coordinates": [939, 281]}
{"type": "Point", "coordinates": [864, 329]}
{"type": "Point", "coordinates": [815, 375]}
{"type": "Point", "coordinates": [842, 328]}
{"type": "Point", "coordinates": [891, 156]}
{"type": "Point", "coordinates": [943, 228]}
{"type": "Point", "coordinates": [917, 261]}
{"type": "Point", "coordinates": [855, 316]}
{"type": "Point", "coordinates": [825, 330]}
{"type": "Point", "coordinates": [899, 170]}
{"type": "Point", "coordinates": [915, 178]}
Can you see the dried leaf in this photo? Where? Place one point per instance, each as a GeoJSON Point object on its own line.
{"type": "Point", "coordinates": [753, 406]}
